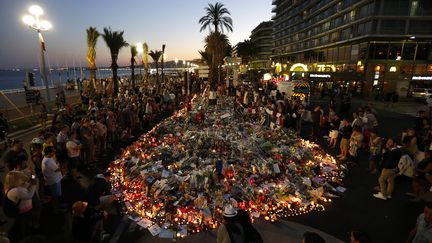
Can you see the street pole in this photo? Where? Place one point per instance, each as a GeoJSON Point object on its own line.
{"type": "Point", "coordinates": [44, 72]}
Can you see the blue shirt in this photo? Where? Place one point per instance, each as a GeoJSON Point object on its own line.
{"type": "Point", "coordinates": [424, 231]}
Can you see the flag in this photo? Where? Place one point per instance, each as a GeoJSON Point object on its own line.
{"type": "Point", "coordinates": [42, 42]}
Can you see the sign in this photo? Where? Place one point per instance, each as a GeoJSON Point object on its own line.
{"type": "Point", "coordinates": [299, 65]}
{"type": "Point", "coordinates": [422, 78]}
{"type": "Point", "coordinates": [313, 75]}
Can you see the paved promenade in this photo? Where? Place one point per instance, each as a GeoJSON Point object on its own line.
{"type": "Point", "coordinates": [14, 106]}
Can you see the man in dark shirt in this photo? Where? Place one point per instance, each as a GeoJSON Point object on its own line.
{"type": "Point", "coordinates": [389, 170]}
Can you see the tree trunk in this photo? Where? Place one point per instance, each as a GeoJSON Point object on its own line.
{"type": "Point", "coordinates": [114, 68]}
{"type": "Point", "coordinates": [92, 79]}
{"type": "Point", "coordinates": [133, 72]}
{"type": "Point", "coordinates": [157, 73]}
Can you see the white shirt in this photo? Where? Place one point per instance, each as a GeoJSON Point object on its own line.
{"type": "Point", "coordinates": [49, 171]}
{"type": "Point", "coordinates": [62, 138]}
{"type": "Point", "coordinates": [25, 195]}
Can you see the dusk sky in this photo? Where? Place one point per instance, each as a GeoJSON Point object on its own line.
{"type": "Point", "coordinates": [173, 22]}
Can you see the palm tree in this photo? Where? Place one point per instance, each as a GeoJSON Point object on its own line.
{"type": "Point", "coordinates": [156, 56]}
{"type": "Point", "coordinates": [114, 41]}
{"type": "Point", "coordinates": [145, 57]}
{"type": "Point", "coordinates": [134, 52]}
{"type": "Point", "coordinates": [246, 50]}
{"type": "Point", "coordinates": [216, 45]}
{"type": "Point", "coordinates": [216, 17]}
{"type": "Point", "coordinates": [92, 37]}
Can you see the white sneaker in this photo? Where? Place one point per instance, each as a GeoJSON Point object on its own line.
{"type": "Point", "coordinates": [379, 195]}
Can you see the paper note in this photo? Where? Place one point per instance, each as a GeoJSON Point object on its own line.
{"type": "Point", "coordinates": [226, 115]}
{"type": "Point", "coordinates": [165, 173]}
{"type": "Point", "coordinates": [276, 168]}
{"type": "Point", "coordinates": [145, 223]}
{"type": "Point", "coordinates": [166, 233]}
{"type": "Point", "coordinates": [154, 229]}
{"type": "Point", "coordinates": [183, 231]}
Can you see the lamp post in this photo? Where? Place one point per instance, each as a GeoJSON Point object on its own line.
{"type": "Point", "coordinates": [32, 20]}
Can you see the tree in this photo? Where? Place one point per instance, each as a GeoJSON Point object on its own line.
{"type": "Point", "coordinates": [246, 50]}
{"type": "Point", "coordinates": [216, 46]}
{"type": "Point", "coordinates": [114, 41]}
{"type": "Point", "coordinates": [92, 37]}
{"type": "Point", "coordinates": [145, 57]}
{"type": "Point", "coordinates": [134, 52]}
{"type": "Point", "coordinates": [217, 16]}
{"type": "Point", "coordinates": [155, 55]}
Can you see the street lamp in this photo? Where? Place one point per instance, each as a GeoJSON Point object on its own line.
{"type": "Point", "coordinates": [35, 23]}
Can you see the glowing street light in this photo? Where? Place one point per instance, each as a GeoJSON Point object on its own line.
{"type": "Point", "coordinates": [39, 25]}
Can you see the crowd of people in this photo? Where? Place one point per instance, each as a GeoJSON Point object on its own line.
{"type": "Point", "coordinates": [62, 169]}
{"type": "Point", "coordinates": [51, 171]}
{"type": "Point", "coordinates": [354, 135]}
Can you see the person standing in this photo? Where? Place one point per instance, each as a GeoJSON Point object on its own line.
{"type": "Point", "coordinates": [345, 132]}
{"type": "Point", "coordinates": [389, 171]}
{"type": "Point", "coordinates": [422, 233]}
{"type": "Point", "coordinates": [231, 231]}
{"type": "Point", "coordinates": [21, 192]}
{"type": "Point", "coordinates": [52, 175]}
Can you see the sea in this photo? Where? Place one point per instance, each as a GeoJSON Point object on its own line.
{"type": "Point", "coordinates": [14, 79]}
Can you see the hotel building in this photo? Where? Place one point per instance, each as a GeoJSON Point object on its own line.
{"type": "Point", "coordinates": [367, 47]}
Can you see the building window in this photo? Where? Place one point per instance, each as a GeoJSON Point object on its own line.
{"type": "Point", "coordinates": [414, 8]}
{"type": "Point", "coordinates": [408, 51]}
{"type": "Point", "coordinates": [393, 27]}
{"type": "Point", "coordinates": [354, 52]}
{"type": "Point", "coordinates": [366, 10]}
{"type": "Point", "coordinates": [395, 51]}
{"type": "Point", "coordinates": [424, 51]}
{"type": "Point", "coordinates": [335, 36]}
{"type": "Point", "coordinates": [396, 7]}
{"type": "Point", "coordinates": [419, 27]}
{"type": "Point", "coordinates": [364, 28]}
{"type": "Point", "coordinates": [378, 51]}
{"type": "Point", "coordinates": [346, 34]}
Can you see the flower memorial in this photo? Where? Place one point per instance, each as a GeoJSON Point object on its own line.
{"type": "Point", "coordinates": [177, 177]}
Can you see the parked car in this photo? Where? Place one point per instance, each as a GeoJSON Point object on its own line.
{"type": "Point", "coordinates": [421, 93]}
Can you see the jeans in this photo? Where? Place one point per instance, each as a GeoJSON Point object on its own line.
{"type": "Point", "coordinates": [386, 181]}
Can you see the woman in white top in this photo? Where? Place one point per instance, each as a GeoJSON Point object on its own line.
{"type": "Point", "coordinates": [52, 175]}
{"type": "Point", "coordinates": [20, 190]}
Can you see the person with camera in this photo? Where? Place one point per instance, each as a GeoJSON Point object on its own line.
{"type": "Point", "coordinates": [19, 190]}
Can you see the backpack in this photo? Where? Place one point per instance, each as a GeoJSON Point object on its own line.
{"type": "Point", "coordinates": [10, 208]}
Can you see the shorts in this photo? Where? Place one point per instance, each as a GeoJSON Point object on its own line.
{"type": "Point", "coordinates": [344, 144]}
{"type": "Point", "coordinates": [334, 134]}
{"type": "Point", "coordinates": [55, 189]}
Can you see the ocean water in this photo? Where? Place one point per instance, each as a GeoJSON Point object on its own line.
{"type": "Point", "coordinates": [13, 79]}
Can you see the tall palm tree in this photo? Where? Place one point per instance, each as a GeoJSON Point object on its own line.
{"type": "Point", "coordinates": [145, 57]}
{"type": "Point", "coordinates": [92, 37]}
{"type": "Point", "coordinates": [216, 45]}
{"type": "Point", "coordinates": [134, 52]}
{"type": "Point", "coordinates": [155, 55]}
{"type": "Point", "coordinates": [114, 41]}
{"type": "Point", "coordinates": [217, 16]}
